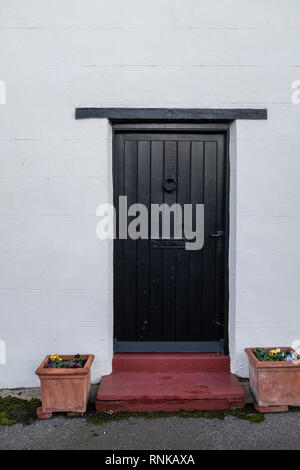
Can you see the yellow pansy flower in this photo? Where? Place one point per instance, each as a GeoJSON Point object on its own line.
{"type": "Point", "coordinates": [273, 352]}
{"type": "Point", "coordinates": [55, 357]}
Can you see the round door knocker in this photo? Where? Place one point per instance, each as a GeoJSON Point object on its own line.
{"type": "Point", "coordinates": [169, 184]}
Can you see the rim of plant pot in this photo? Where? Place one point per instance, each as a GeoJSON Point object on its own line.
{"type": "Point", "coordinates": [271, 364]}
{"type": "Point", "coordinates": [42, 370]}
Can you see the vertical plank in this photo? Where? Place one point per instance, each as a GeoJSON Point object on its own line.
{"type": "Point", "coordinates": [143, 197]}
{"type": "Point", "coordinates": [130, 278]}
{"type": "Point", "coordinates": [196, 257]}
{"type": "Point", "coordinates": [118, 167]}
{"type": "Point", "coordinates": [209, 252]}
{"type": "Point", "coordinates": [182, 267]}
{"type": "Point", "coordinates": [156, 255]}
{"type": "Point", "coordinates": [170, 255]}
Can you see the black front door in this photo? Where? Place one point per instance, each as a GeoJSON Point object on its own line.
{"type": "Point", "coordinates": [168, 298]}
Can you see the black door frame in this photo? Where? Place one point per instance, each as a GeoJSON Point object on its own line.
{"type": "Point", "coordinates": [221, 346]}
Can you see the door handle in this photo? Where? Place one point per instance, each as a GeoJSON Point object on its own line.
{"type": "Point", "coordinates": [218, 234]}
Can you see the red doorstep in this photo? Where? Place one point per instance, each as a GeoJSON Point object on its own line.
{"type": "Point", "coordinates": [169, 382]}
{"type": "Point", "coordinates": [170, 362]}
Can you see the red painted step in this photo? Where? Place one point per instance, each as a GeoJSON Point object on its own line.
{"type": "Point", "coordinates": [170, 362]}
{"type": "Point", "coordinates": [169, 382]}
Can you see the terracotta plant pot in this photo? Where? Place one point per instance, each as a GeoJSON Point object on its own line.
{"type": "Point", "coordinates": [64, 389]}
{"type": "Point", "coordinates": [275, 384]}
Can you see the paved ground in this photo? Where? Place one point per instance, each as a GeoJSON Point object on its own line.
{"type": "Point", "coordinates": [277, 431]}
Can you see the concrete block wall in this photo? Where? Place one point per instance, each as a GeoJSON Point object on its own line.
{"type": "Point", "coordinates": [55, 276]}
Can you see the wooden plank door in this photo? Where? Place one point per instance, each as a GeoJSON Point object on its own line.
{"type": "Point", "coordinates": [167, 298]}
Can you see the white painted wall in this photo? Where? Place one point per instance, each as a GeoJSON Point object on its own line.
{"type": "Point", "coordinates": [55, 276]}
